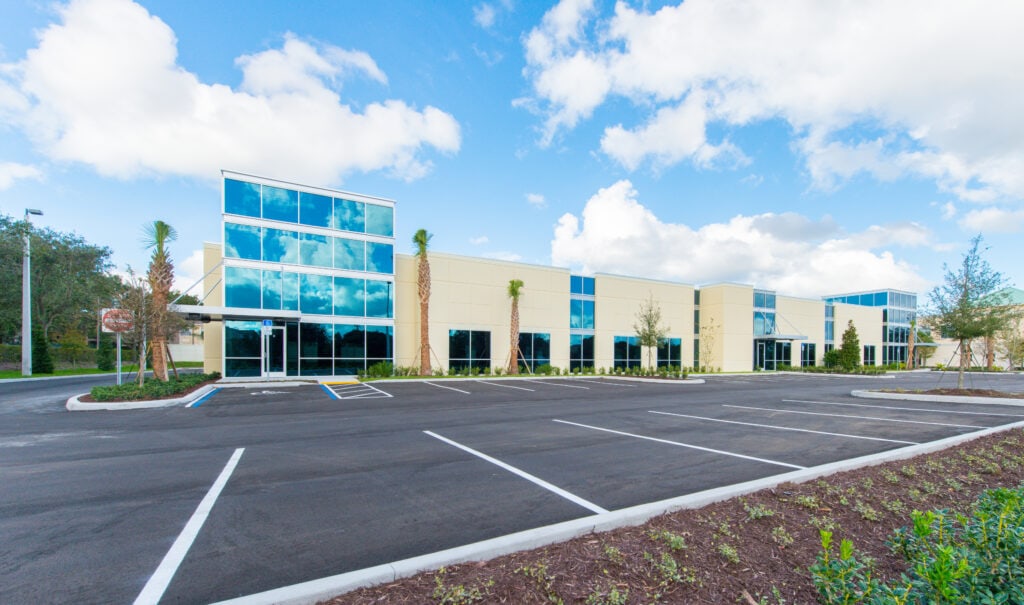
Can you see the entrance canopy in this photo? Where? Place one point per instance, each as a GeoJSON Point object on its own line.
{"type": "Point", "coordinates": [201, 313]}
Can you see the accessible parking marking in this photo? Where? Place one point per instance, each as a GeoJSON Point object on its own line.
{"type": "Point", "coordinates": [531, 478]}
{"type": "Point", "coordinates": [889, 407]}
{"type": "Point", "coordinates": [157, 584]}
{"type": "Point", "coordinates": [441, 386]}
{"type": "Point", "coordinates": [348, 390]}
{"type": "Point", "coordinates": [686, 445]}
{"type": "Point", "coordinates": [785, 428]}
{"type": "Point", "coordinates": [963, 426]}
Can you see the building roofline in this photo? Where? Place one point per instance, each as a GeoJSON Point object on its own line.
{"type": "Point", "coordinates": [310, 188]}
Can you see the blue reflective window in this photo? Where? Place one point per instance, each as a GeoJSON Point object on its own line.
{"type": "Point", "coordinates": [316, 294]}
{"type": "Point", "coordinates": [289, 291]}
{"type": "Point", "coordinates": [349, 254]}
{"type": "Point", "coordinates": [349, 296]}
{"type": "Point", "coordinates": [242, 338]}
{"type": "Point", "coordinates": [280, 246]}
{"type": "Point", "coordinates": [588, 315]}
{"type": "Point", "coordinates": [316, 339]}
{"type": "Point", "coordinates": [380, 258]}
{"type": "Point", "coordinates": [349, 215]}
{"type": "Point", "coordinates": [588, 285]}
{"type": "Point", "coordinates": [379, 295]}
{"type": "Point", "coordinates": [271, 289]}
{"type": "Point", "coordinates": [627, 352]}
{"type": "Point", "coordinates": [241, 241]}
{"type": "Point", "coordinates": [349, 341]}
{"type": "Point", "coordinates": [880, 299]}
{"type": "Point", "coordinates": [378, 342]}
{"type": "Point", "coordinates": [280, 204]}
{"type": "Point", "coordinates": [670, 352]}
{"type": "Point", "coordinates": [575, 313]}
{"type": "Point", "coordinates": [380, 220]}
{"type": "Point", "coordinates": [315, 210]}
{"type": "Point", "coordinates": [241, 198]}
{"type": "Point", "coordinates": [242, 287]}
{"type": "Point", "coordinates": [315, 250]}
{"type": "Point", "coordinates": [575, 284]}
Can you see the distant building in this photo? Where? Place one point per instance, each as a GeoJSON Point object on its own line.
{"type": "Point", "coordinates": [981, 350]}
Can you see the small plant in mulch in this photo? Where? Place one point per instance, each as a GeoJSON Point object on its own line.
{"type": "Point", "coordinates": [152, 389]}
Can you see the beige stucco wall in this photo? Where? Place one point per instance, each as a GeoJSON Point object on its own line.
{"type": "Point", "coordinates": [618, 300]}
{"type": "Point", "coordinates": [801, 317]}
{"type": "Point", "coordinates": [727, 315]}
{"type": "Point", "coordinates": [213, 288]}
{"type": "Point", "coordinates": [867, 320]}
{"type": "Point", "coordinates": [472, 294]}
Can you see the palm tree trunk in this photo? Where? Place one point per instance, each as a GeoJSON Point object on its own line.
{"type": "Point", "coordinates": [513, 363]}
{"type": "Point", "coordinates": [424, 293]}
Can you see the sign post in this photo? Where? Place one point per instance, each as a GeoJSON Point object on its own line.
{"type": "Point", "coordinates": [117, 321]}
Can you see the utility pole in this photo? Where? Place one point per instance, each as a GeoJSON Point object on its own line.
{"type": "Point", "coordinates": [26, 296]}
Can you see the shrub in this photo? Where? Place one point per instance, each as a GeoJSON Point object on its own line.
{"type": "Point", "coordinates": [105, 353]}
{"type": "Point", "coordinates": [42, 363]}
{"type": "Point", "coordinates": [152, 389]}
{"type": "Point", "coordinates": [381, 369]}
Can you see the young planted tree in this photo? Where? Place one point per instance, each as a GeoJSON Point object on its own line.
{"type": "Point", "coordinates": [421, 239]}
{"type": "Point", "coordinates": [849, 350]}
{"type": "Point", "coordinates": [708, 331]}
{"type": "Point", "coordinates": [969, 304]}
{"type": "Point", "coordinates": [1010, 340]}
{"type": "Point", "coordinates": [515, 290]}
{"type": "Point", "coordinates": [648, 328]}
{"type": "Point", "coordinates": [160, 278]}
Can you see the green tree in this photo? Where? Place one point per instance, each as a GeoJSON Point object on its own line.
{"type": "Point", "coordinates": [849, 351]}
{"type": "Point", "coordinates": [72, 346]}
{"type": "Point", "coordinates": [969, 303]}
{"type": "Point", "coordinates": [421, 239]}
{"type": "Point", "coordinates": [160, 277]}
{"type": "Point", "coordinates": [42, 363]}
{"type": "Point", "coordinates": [648, 328]}
{"type": "Point", "coordinates": [1010, 340]}
{"type": "Point", "coordinates": [105, 352]}
{"type": "Point", "coordinates": [515, 290]}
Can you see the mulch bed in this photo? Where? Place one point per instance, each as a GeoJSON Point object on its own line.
{"type": "Point", "coordinates": [89, 398]}
{"type": "Point", "coordinates": [750, 550]}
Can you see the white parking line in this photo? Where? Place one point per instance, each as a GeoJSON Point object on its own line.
{"type": "Point", "coordinates": [444, 387]}
{"type": "Point", "coordinates": [889, 407]}
{"type": "Point", "coordinates": [687, 445]}
{"type": "Point", "coordinates": [612, 383]}
{"type": "Point", "coordinates": [525, 475]}
{"type": "Point", "coordinates": [506, 386]}
{"type": "Point", "coordinates": [557, 384]}
{"type": "Point", "coordinates": [745, 407]}
{"type": "Point", "coordinates": [157, 584]}
{"type": "Point", "coordinates": [785, 428]}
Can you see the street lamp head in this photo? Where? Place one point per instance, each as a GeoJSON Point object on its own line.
{"type": "Point", "coordinates": [29, 211]}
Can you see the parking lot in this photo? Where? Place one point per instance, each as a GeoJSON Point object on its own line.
{"type": "Point", "coordinates": [318, 480]}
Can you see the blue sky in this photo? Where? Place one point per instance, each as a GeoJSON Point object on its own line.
{"type": "Point", "coordinates": [802, 146]}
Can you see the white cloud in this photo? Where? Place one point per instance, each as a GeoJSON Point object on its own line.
{"type": "Point", "coordinates": [484, 15]}
{"type": "Point", "coordinates": [948, 211]}
{"type": "Point", "coordinates": [924, 87]}
{"type": "Point", "coordinates": [511, 257]}
{"type": "Point", "coordinates": [536, 200]}
{"type": "Point", "coordinates": [187, 272]}
{"type": "Point", "coordinates": [479, 241]}
{"type": "Point", "coordinates": [993, 220]}
{"type": "Point", "coordinates": [788, 252]}
{"type": "Point", "coordinates": [13, 171]}
{"type": "Point", "coordinates": [103, 87]}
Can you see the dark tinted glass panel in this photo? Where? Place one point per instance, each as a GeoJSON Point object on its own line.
{"type": "Point", "coordinates": [292, 348]}
{"type": "Point", "coordinates": [241, 241]}
{"type": "Point", "coordinates": [380, 257]}
{"type": "Point", "coordinates": [588, 347]}
{"type": "Point", "coordinates": [542, 347]}
{"type": "Point", "coordinates": [348, 367]}
{"type": "Point", "coordinates": [588, 285]}
{"type": "Point", "coordinates": [588, 315]}
{"type": "Point", "coordinates": [315, 339]}
{"type": "Point", "coordinates": [349, 296]}
{"type": "Point", "coordinates": [241, 367]}
{"type": "Point", "coordinates": [280, 204]}
{"type": "Point", "coordinates": [316, 294]}
{"type": "Point", "coordinates": [315, 209]}
{"type": "Point", "coordinates": [458, 344]}
{"type": "Point", "coordinates": [315, 250]}
{"type": "Point", "coordinates": [349, 254]}
{"type": "Point", "coordinates": [378, 342]}
{"type": "Point", "coordinates": [241, 198]}
{"type": "Point", "coordinates": [242, 338]}
{"type": "Point", "coordinates": [349, 215]}
{"type": "Point", "coordinates": [290, 291]}
{"type": "Point", "coordinates": [379, 220]}
{"type": "Point", "coordinates": [575, 346]}
{"type": "Point", "coordinates": [526, 345]}
{"type": "Point", "coordinates": [349, 341]}
{"type": "Point", "coordinates": [280, 246]}
{"type": "Point", "coordinates": [316, 367]}
{"type": "Point", "coordinates": [242, 287]}
{"type": "Point", "coordinates": [378, 298]}
{"type": "Point", "coordinates": [480, 345]}
{"type": "Point", "coordinates": [271, 289]}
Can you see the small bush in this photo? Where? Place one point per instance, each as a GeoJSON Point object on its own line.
{"type": "Point", "coordinates": [151, 389]}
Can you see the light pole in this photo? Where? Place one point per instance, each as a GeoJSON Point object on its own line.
{"type": "Point", "coordinates": [26, 296]}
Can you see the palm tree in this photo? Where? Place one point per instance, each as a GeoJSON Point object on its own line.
{"type": "Point", "coordinates": [160, 278]}
{"type": "Point", "coordinates": [515, 287]}
{"type": "Point", "coordinates": [421, 239]}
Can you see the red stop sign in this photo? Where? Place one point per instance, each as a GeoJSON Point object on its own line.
{"type": "Point", "coordinates": [118, 320]}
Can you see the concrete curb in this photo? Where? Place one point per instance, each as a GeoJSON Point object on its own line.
{"type": "Point", "coordinates": [940, 398]}
{"type": "Point", "coordinates": [325, 588]}
{"type": "Point", "coordinates": [76, 405]}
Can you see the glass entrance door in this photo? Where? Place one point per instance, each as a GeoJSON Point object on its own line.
{"type": "Point", "coordinates": [273, 352]}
